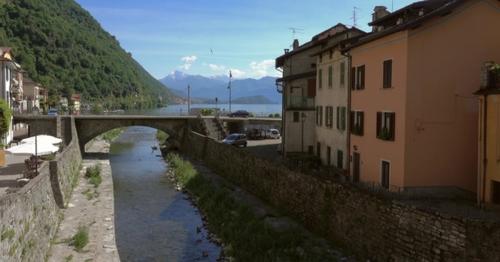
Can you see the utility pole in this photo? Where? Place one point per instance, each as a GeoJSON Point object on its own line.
{"type": "Point", "coordinates": [189, 100]}
{"type": "Point", "coordinates": [229, 87]}
{"type": "Point", "coordinates": [216, 103]}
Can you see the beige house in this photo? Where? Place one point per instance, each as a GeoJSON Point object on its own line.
{"type": "Point", "coordinates": [298, 86]}
{"type": "Point", "coordinates": [332, 95]}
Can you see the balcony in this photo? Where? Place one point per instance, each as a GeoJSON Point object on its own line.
{"type": "Point", "coordinates": [300, 103]}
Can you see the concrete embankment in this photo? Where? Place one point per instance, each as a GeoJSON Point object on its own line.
{"type": "Point", "coordinates": [368, 224]}
{"type": "Point", "coordinates": [30, 215]}
{"type": "Point", "coordinates": [91, 208]}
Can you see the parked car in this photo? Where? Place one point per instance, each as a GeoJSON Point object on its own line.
{"type": "Point", "coordinates": [240, 113]}
{"type": "Point", "coordinates": [236, 140]}
{"type": "Point", "coordinates": [273, 133]}
{"type": "Point", "coordinates": [52, 112]}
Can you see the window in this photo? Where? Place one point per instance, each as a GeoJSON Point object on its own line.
{"type": "Point", "coordinates": [385, 125]}
{"type": "Point", "coordinates": [340, 159]}
{"type": "Point", "coordinates": [386, 171]}
{"type": "Point", "coordinates": [328, 155]}
{"type": "Point", "coordinates": [321, 58]}
{"type": "Point", "coordinates": [387, 74]}
{"type": "Point", "coordinates": [341, 120]}
{"type": "Point", "coordinates": [329, 116]}
{"type": "Point", "coordinates": [330, 76]}
{"type": "Point", "coordinates": [353, 78]}
{"type": "Point", "coordinates": [360, 77]}
{"type": "Point", "coordinates": [320, 79]}
{"type": "Point", "coordinates": [357, 122]}
{"type": "Point", "coordinates": [342, 73]}
{"type": "Point", "coordinates": [296, 116]}
{"type": "Point", "coordinates": [310, 150]}
{"type": "Point", "coordinates": [331, 54]}
{"type": "Point", "coordinates": [318, 149]}
{"type": "Point", "coordinates": [319, 115]}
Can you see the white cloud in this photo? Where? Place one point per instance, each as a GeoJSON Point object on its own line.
{"type": "Point", "coordinates": [237, 73]}
{"type": "Point", "coordinates": [188, 61]}
{"type": "Point", "coordinates": [217, 68]}
{"type": "Point", "coordinates": [262, 68]}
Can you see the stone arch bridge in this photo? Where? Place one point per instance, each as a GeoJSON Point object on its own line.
{"type": "Point", "coordinates": [90, 126]}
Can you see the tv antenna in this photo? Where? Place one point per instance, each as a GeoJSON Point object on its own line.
{"type": "Point", "coordinates": [296, 31]}
{"type": "Point", "coordinates": [355, 16]}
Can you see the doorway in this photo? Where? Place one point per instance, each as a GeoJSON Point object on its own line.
{"type": "Point", "coordinates": [356, 159]}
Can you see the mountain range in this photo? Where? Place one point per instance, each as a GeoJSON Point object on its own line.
{"type": "Point", "coordinates": [205, 89]}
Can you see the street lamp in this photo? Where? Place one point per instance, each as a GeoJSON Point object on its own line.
{"type": "Point", "coordinates": [35, 113]}
{"type": "Point", "coordinates": [216, 105]}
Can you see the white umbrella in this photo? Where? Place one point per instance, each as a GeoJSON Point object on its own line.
{"type": "Point", "coordinates": [42, 139]}
{"type": "Point", "coordinates": [42, 149]}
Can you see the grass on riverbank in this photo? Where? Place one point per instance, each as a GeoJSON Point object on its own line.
{"type": "Point", "coordinates": [113, 134]}
{"type": "Point", "coordinates": [245, 236]}
{"type": "Point", "coordinates": [161, 137]}
{"type": "Point", "coordinates": [93, 174]}
{"type": "Point", "coordinates": [80, 239]}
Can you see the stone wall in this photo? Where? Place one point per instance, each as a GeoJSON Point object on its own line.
{"type": "Point", "coordinates": [29, 217]}
{"type": "Point", "coordinates": [368, 225]}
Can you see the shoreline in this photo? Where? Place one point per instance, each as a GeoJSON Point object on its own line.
{"type": "Point", "coordinates": [92, 208]}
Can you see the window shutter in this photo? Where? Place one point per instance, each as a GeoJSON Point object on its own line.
{"type": "Point", "coordinates": [362, 123]}
{"type": "Point", "coordinates": [342, 116]}
{"type": "Point", "coordinates": [331, 116]}
{"type": "Point", "coordinates": [342, 73]}
{"type": "Point", "coordinates": [387, 74]}
{"type": "Point", "coordinates": [379, 123]}
{"type": "Point", "coordinates": [393, 126]}
{"type": "Point", "coordinates": [353, 78]}
{"type": "Point", "coordinates": [330, 76]}
{"type": "Point", "coordinates": [362, 76]}
{"type": "Point", "coordinates": [352, 121]}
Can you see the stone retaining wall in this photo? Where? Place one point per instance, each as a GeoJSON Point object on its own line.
{"type": "Point", "coordinates": [370, 226]}
{"type": "Point", "coordinates": [29, 217]}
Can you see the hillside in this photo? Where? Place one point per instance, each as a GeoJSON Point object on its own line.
{"type": "Point", "coordinates": [210, 87]}
{"type": "Point", "coordinates": [63, 47]}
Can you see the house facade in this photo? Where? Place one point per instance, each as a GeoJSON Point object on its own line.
{"type": "Point", "coordinates": [7, 74]}
{"type": "Point", "coordinates": [414, 118]}
{"type": "Point", "coordinates": [332, 95]}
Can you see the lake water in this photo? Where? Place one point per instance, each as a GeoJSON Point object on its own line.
{"type": "Point", "coordinates": [154, 222]}
{"type": "Point", "coordinates": [176, 110]}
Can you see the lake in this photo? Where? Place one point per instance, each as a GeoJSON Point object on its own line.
{"type": "Point", "coordinates": [176, 110]}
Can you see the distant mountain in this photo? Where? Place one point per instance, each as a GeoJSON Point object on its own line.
{"type": "Point", "coordinates": [208, 88]}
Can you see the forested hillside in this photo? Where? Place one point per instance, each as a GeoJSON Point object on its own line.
{"type": "Point", "coordinates": [63, 47]}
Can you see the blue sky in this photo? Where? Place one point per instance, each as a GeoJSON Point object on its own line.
{"type": "Point", "coordinates": [210, 37]}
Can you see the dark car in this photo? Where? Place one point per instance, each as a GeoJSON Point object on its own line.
{"type": "Point", "coordinates": [240, 113]}
{"type": "Point", "coordinates": [236, 140]}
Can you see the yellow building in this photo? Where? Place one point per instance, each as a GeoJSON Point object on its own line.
{"type": "Point", "coordinates": [489, 135]}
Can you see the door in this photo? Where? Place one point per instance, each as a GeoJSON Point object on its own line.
{"type": "Point", "coordinates": [328, 156]}
{"type": "Point", "coordinates": [356, 159]}
{"type": "Point", "coordinates": [386, 169]}
{"type": "Point", "coordinates": [495, 192]}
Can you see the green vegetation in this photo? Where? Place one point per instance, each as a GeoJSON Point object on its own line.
{"type": "Point", "coordinates": [161, 137]}
{"type": "Point", "coordinates": [274, 115]}
{"type": "Point", "coordinates": [5, 117]}
{"type": "Point", "coordinates": [246, 237]}
{"type": "Point", "coordinates": [207, 111]}
{"type": "Point", "coordinates": [90, 193]}
{"type": "Point", "coordinates": [113, 134]}
{"type": "Point", "coordinates": [80, 239]}
{"type": "Point", "coordinates": [7, 234]}
{"type": "Point", "coordinates": [93, 174]}
{"type": "Point", "coordinates": [68, 258]}
{"type": "Point", "coordinates": [64, 48]}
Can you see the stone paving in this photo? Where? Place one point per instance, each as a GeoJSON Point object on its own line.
{"type": "Point", "coordinates": [92, 208]}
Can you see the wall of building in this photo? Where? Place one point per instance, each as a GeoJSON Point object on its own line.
{"type": "Point", "coordinates": [374, 98]}
{"type": "Point", "coordinates": [334, 96]}
{"type": "Point", "coordinates": [444, 64]}
{"type": "Point", "coordinates": [368, 225]}
{"type": "Point", "coordinates": [492, 147]}
{"type": "Point", "coordinates": [30, 216]}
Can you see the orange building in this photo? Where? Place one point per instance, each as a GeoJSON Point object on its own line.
{"type": "Point", "coordinates": [413, 113]}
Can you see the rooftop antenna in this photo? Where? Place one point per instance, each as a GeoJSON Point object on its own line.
{"type": "Point", "coordinates": [392, 5]}
{"type": "Point", "coordinates": [355, 16]}
{"type": "Point", "coordinates": [295, 31]}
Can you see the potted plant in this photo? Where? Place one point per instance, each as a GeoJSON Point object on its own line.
{"type": "Point", "coordinates": [495, 76]}
{"type": "Point", "coordinates": [5, 119]}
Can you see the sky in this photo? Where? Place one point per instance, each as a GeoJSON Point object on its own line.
{"type": "Point", "coordinates": [211, 37]}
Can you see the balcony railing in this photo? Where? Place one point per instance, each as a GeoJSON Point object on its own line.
{"type": "Point", "coordinates": [300, 102]}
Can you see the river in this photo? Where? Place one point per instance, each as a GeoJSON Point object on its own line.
{"type": "Point", "coordinates": [153, 221]}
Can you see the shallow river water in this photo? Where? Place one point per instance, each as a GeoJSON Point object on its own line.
{"type": "Point", "coordinates": [153, 221]}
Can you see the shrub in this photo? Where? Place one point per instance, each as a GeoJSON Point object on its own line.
{"type": "Point", "coordinates": [5, 117]}
{"type": "Point", "coordinates": [80, 239]}
{"type": "Point", "coordinates": [93, 174]}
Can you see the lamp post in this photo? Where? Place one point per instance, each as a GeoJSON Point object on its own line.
{"type": "Point", "coordinates": [216, 104]}
{"type": "Point", "coordinates": [35, 113]}
{"type": "Point", "coordinates": [189, 100]}
{"type": "Point", "coordinates": [229, 87]}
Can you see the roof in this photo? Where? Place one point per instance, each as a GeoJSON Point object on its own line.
{"type": "Point", "coordinates": [341, 43]}
{"type": "Point", "coordinates": [317, 40]}
{"type": "Point", "coordinates": [432, 9]}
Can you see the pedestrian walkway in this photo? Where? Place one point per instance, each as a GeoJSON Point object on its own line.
{"type": "Point", "coordinates": [12, 171]}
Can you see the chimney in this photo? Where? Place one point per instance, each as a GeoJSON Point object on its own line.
{"type": "Point", "coordinates": [379, 12]}
{"type": "Point", "coordinates": [287, 50]}
{"type": "Point", "coordinates": [295, 44]}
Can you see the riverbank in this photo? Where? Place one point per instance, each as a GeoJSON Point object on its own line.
{"type": "Point", "coordinates": [247, 229]}
{"type": "Point", "coordinates": [90, 209]}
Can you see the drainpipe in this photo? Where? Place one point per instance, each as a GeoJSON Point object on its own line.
{"type": "Point", "coordinates": [485, 160]}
